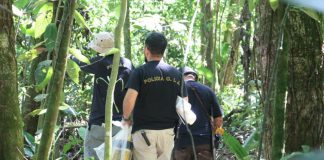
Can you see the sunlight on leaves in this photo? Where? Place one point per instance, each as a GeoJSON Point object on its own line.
{"type": "Point", "coordinates": [152, 22]}
{"type": "Point", "coordinates": [73, 70]}
{"type": "Point", "coordinates": [28, 56]}
{"type": "Point", "coordinates": [205, 72]}
{"type": "Point", "coordinates": [40, 97]}
{"type": "Point", "coordinates": [77, 54]}
{"type": "Point", "coordinates": [178, 27]}
{"type": "Point", "coordinates": [37, 112]}
{"type": "Point", "coordinates": [43, 19]}
{"type": "Point", "coordinates": [17, 11]}
{"type": "Point", "coordinates": [80, 20]}
{"type": "Point", "coordinates": [43, 74]}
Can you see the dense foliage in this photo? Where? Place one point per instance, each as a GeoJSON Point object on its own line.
{"type": "Point", "coordinates": [36, 23]}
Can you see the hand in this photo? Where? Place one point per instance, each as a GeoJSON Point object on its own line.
{"type": "Point", "coordinates": [218, 122]}
{"type": "Point", "coordinates": [126, 123]}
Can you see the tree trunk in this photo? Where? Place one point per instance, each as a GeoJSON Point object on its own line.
{"type": "Point", "coordinates": [113, 78]}
{"type": "Point", "coordinates": [266, 40]}
{"type": "Point", "coordinates": [217, 55]}
{"type": "Point", "coordinates": [28, 105]}
{"type": "Point", "coordinates": [11, 145]}
{"type": "Point", "coordinates": [207, 48]}
{"type": "Point", "coordinates": [127, 38]}
{"type": "Point", "coordinates": [246, 58]}
{"type": "Point", "coordinates": [280, 87]}
{"type": "Point", "coordinates": [54, 98]}
{"type": "Point", "coordinates": [234, 38]}
{"type": "Point", "coordinates": [305, 103]}
{"type": "Point", "coordinates": [229, 71]}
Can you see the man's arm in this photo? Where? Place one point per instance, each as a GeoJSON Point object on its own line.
{"type": "Point", "coordinates": [129, 102]}
{"type": "Point", "coordinates": [217, 112]}
{"type": "Point", "coordinates": [90, 68]}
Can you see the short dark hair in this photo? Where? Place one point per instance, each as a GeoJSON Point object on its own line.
{"type": "Point", "coordinates": [156, 43]}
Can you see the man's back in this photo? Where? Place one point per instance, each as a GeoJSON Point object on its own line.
{"type": "Point", "coordinates": [101, 68]}
{"type": "Point", "coordinates": [158, 85]}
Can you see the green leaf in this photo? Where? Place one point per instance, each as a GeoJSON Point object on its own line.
{"type": "Point", "coordinates": [28, 56]}
{"type": "Point", "coordinates": [21, 3]}
{"type": "Point", "coordinates": [312, 13]}
{"type": "Point", "coordinates": [73, 70]}
{"type": "Point", "coordinates": [77, 54]}
{"type": "Point", "coordinates": [67, 147]}
{"type": "Point", "coordinates": [29, 139]}
{"type": "Point", "coordinates": [40, 97]}
{"type": "Point", "coordinates": [37, 6]}
{"type": "Point", "coordinates": [117, 10]}
{"type": "Point", "coordinates": [206, 72]}
{"type": "Point", "coordinates": [234, 146]}
{"type": "Point", "coordinates": [70, 111]}
{"type": "Point", "coordinates": [50, 36]}
{"type": "Point", "coordinates": [29, 30]}
{"type": "Point", "coordinates": [225, 48]}
{"type": "Point", "coordinates": [80, 20]}
{"type": "Point", "coordinates": [62, 108]}
{"type": "Point", "coordinates": [274, 4]}
{"type": "Point", "coordinates": [251, 141]}
{"type": "Point", "coordinates": [37, 112]}
{"type": "Point", "coordinates": [44, 18]}
{"type": "Point", "coordinates": [81, 132]}
{"type": "Point", "coordinates": [252, 4]}
{"type": "Point", "coordinates": [43, 74]}
{"type": "Point", "coordinates": [67, 109]}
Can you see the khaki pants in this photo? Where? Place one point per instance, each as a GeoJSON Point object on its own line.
{"type": "Point", "coordinates": [94, 138]}
{"type": "Point", "coordinates": [162, 142]}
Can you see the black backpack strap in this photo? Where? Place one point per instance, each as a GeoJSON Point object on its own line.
{"type": "Point", "coordinates": [203, 107]}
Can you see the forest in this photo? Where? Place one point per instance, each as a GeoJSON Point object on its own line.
{"type": "Point", "coordinates": [264, 59]}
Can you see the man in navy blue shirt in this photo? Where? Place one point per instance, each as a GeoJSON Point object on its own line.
{"type": "Point", "coordinates": [205, 105]}
{"type": "Point", "coordinates": [151, 96]}
{"type": "Point", "coordinates": [101, 67]}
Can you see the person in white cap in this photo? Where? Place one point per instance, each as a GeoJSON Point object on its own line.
{"type": "Point", "coordinates": [101, 67]}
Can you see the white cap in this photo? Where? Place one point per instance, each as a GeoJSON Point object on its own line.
{"type": "Point", "coordinates": [102, 42]}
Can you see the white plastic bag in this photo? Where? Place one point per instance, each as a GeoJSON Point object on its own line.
{"type": "Point", "coordinates": [121, 146]}
{"type": "Point", "coordinates": [183, 108]}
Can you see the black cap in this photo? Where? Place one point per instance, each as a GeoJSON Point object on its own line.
{"type": "Point", "coordinates": [187, 70]}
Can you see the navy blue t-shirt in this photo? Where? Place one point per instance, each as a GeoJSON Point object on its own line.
{"type": "Point", "coordinates": [201, 129]}
{"type": "Point", "coordinates": [101, 68]}
{"type": "Point", "coordinates": [158, 85]}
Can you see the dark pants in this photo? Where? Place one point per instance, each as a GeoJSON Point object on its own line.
{"type": "Point", "coordinates": [203, 152]}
